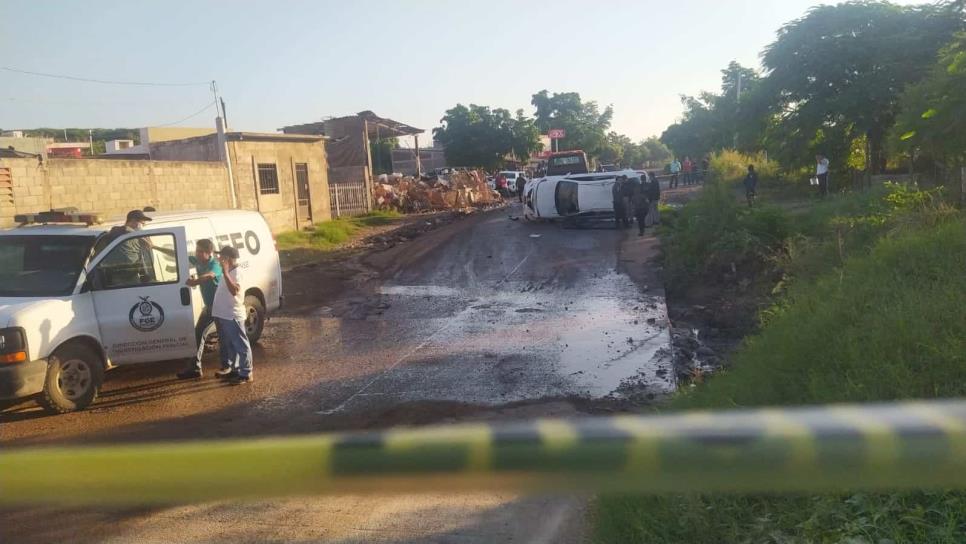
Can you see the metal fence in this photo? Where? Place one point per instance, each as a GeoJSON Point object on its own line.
{"type": "Point", "coordinates": [347, 199]}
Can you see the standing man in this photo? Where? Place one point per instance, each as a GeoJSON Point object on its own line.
{"type": "Point", "coordinates": [821, 172]}
{"type": "Point", "coordinates": [675, 170]}
{"type": "Point", "coordinates": [751, 185]}
{"type": "Point", "coordinates": [705, 165]}
{"type": "Point", "coordinates": [688, 168]}
{"type": "Point", "coordinates": [229, 311]}
{"type": "Point", "coordinates": [617, 193]}
{"type": "Point", "coordinates": [627, 192]}
{"type": "Point", "coordinates": [521, 183]}
{"type": "Point", "coordinates": [641, 206]}
{"type": "Point", "coordinates": [207, 277]}
{"type": "Point", "coordinates": [653, 198]}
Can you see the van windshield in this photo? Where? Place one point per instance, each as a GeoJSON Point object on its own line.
{"type": "Point", "coordinates": [36, 266]}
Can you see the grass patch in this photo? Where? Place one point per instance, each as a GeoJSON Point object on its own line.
{"type": "Point", "coordinates": [331, 234]}
{"type": "Point", "coordinates": [303, 246]}
{"type": "Point", "coordinates": [871, 309]}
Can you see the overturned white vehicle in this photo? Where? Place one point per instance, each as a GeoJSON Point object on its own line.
{"type": "Point", "coordinates": [573, 197]}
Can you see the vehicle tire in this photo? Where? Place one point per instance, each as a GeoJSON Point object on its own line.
{"type": "Point", "coordinates": [74, 377]}
{"type": "Point", "coordinates": [255, 320]}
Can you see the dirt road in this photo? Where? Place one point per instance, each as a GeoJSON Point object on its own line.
{"type": "Point", "coordinates": [484, 318]}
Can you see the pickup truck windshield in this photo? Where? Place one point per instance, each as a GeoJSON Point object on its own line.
{"type": "Point", "coordinates": [36, 266]}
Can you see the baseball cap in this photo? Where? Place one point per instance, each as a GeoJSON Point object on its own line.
{"type": "Point", "coordinates": [228, 251]}
{"type": "Point", "coordinates": [137, 215]}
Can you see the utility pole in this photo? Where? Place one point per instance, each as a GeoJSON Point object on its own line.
{"type": "Point", "coordinates": [734, 143]}
{"type": "Point", "coordinates": [223, 150]}
{"type": "Point", "coordinates": [90, 140]}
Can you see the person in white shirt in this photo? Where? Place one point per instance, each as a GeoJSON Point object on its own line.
{"type": "Point", "coordinates": [821, 172]}
{"type": "Point", "coordinates": [229, 310]}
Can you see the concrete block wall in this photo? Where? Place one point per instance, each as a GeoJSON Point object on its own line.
{"type": "Point", "coordinates": [280, 210]}
{"type": "Point", "coordinates": [113, 187]}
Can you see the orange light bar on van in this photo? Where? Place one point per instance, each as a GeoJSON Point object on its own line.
{"type": "Point", "coordinates": [15, 357]}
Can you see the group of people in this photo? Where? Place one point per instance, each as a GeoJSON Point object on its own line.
{"type": "Point", "coordinates": [637, 198]}
{"type": "Point", "coordinates": [507, 189]}
{"type": "Point", "coordinates": [692, 171]}
{"type": "Point", "coordinates": [220, 280]}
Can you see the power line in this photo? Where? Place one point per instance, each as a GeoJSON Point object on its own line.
{"type": "Point", "coordinates": [192, 116]}
{"type": "Point", "coordinates": [103, 81]}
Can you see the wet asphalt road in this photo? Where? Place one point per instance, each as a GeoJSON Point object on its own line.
{"type": "Point", "coordinates": [476, 316]}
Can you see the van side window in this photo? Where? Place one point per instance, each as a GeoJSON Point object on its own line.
{"type": "Point", "coordinates": [144, 260]}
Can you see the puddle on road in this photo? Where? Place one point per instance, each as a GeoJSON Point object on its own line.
{"type": "Point", "coordinates": [594, 340]}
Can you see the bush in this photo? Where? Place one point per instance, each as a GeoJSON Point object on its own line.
{"type": "Point", "coordinates": [714, 236]}
{"type": "Point", "coordinates": [731, 167]}
{"type": "Point", "coordinates": [875, 313]}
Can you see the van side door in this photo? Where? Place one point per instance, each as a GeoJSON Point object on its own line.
{"type": "Point", "coordinates": [144, 309]}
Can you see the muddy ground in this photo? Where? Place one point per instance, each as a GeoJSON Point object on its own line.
{"type": "Point", "coordinates": [482, 317]}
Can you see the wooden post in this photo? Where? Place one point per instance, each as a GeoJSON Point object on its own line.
{"type": "Point", "coordinates": [419, 165]}
{"type": "Point", "coordinates": [337, 212]}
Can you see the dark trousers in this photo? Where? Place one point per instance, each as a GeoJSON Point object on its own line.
{"type": "Point", "coordinates": [822, 185]}
{"type": "Point", "coordinates": [674, 181]}
{"type": "Point", "coordinates": [641, 216]}
{"type": "Point", "coordinates": [620, 216]}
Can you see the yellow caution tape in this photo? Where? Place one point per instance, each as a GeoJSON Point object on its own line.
{"type": "Point", "coordinates": [885, 446]}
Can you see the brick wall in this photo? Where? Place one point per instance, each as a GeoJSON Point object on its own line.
{"type": "Point", "coordinates": [112, 187]}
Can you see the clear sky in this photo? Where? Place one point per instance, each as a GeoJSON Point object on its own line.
{"type": "Point", "coordinates": [284, 62]}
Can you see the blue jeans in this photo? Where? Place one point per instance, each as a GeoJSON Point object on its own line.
{"type": "Point", "coordinates": [206, 325]}
{"type": "Point", "coordinates": [238, 354]}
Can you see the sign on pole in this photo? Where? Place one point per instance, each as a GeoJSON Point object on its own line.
{"type": "Point", "coordinates": [557, 133]}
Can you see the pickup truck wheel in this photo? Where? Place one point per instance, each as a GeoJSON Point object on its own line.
{"type": "Point", "coordinates": [255, 320]}
{"type": "Point", "coordinates": [74, 377]}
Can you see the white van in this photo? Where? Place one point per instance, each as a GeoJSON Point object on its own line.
{"type": "Point", "coordinates": [67, 313]}
{"type": "Point", "coordinates": [572, 197]}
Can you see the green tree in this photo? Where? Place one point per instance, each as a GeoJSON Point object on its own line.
{"type": "Point", "coordinates": [713, 121]}
{"type": "Point", "coordinates": [836, 73]}
{"type": "Point", "coordinates": [932, 117]}
{"type": "Point", "coordinates": [585, 124]}
{"type": "Point", "coordinates": [655, 151]}
{"type": "Point", "coordinates": [480, 136]}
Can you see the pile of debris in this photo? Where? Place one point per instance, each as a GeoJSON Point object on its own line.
{"type": "Point", "coordinates": [460, 189]}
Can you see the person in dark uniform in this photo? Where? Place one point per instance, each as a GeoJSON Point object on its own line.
{"type": "Point", "coordinates": [751, 185]}
{"type": "Point", "coordinates": [641, 205]}
{"type": "Point", "coordinates": [620, 211]}
{"type": "Point", "coordinates": [521, 183]}
{"type": "Point", "coordinates": [628, 193]}
{"type": "Point", "coordinates": [653, 198]}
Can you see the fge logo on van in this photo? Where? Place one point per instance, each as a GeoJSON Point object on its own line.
{"type": "Point", "coordinates": [146, 315]}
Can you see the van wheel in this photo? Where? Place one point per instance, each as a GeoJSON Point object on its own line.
{"type": "Point", "coordinates": [74, 377]}
{"type": "Point", "coordinates": [255, 320]}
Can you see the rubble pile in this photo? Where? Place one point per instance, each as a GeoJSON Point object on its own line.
{"type": "Point", "coordinates": [462, 189]}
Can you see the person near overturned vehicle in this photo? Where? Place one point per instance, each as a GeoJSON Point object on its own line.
{"type": "Point", "coordinates": [653, 198]}
{"type": "Point", "coordinates": [620, 210]}
{"type": "Point", "coordinates": [228, 309]}
{"type": "Point", "coordinates": [521, 183]}
{"type": "Point", "coordinates": [641, 205]}
{"type": "Point", "coordinates": [208, 274]}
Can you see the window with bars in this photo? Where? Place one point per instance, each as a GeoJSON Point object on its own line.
{"type": "Point", "coordinates": [268, 179]}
